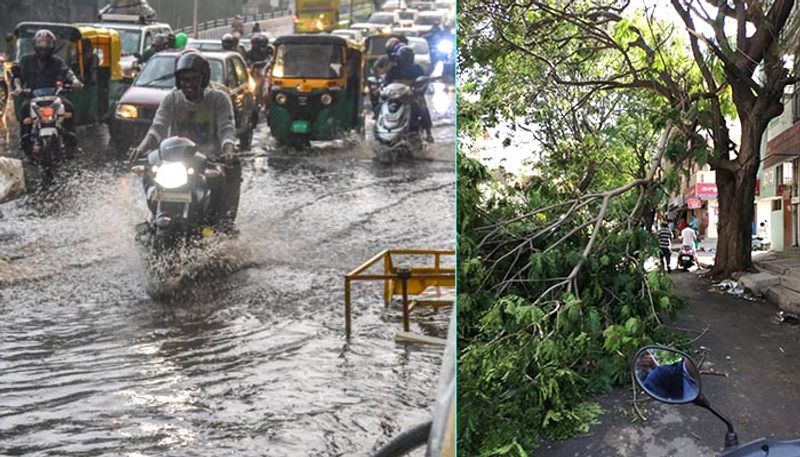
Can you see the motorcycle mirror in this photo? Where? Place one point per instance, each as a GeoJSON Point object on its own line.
{"type": "Point", "coordinates": [372, 80]}
{"type": "Point", "coordinates": [421, 81]}
{"type": "Point", "coordinates": [668, 375]}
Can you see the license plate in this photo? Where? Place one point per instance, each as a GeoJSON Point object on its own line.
{"type": "Point", "coordinates": [48, 131]}
{"type": "Point", "coordinates": [177, 197]}
{"type": "Point", "coordinates": [300, 127]}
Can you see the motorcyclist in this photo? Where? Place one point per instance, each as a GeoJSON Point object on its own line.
{"type": "Point", "coordinates": [43, 69]}
{"type": "Point", "coordinates": [230, 42]}
{"type": "Point", "coordinates": [159, 44]}
{"type": "Point", "coordinates": [204, 115]}
{"type": "Point", "coordinates": [406, 71]}
{"type": "Point", "coordinates": [260, 50]}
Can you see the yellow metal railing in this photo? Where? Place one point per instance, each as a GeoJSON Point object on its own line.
{"type": "Point", "coordinates": [403, 281]}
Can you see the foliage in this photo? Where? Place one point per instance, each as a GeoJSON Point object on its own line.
{"type": "Point", "coordinates": [529, 363]}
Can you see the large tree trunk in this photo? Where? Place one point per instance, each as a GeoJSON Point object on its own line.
{"type": "Point", "coordinates": [736, 190]}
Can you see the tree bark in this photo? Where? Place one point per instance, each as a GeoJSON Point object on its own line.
{"type": "Point", "coordinates": [736, 196]}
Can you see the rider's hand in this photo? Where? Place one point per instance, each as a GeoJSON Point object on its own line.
{"type": "Point", "coordinates": [134, 153]}
{"type": "Point", "coordinates": [77, 84]}
{"type": "Point", "coordinates": [229, 154]}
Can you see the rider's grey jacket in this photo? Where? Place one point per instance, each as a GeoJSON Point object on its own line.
{"type": "Point", "coordinates": [209, 122]}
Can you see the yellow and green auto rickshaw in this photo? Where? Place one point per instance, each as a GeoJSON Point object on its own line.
{"type": "Point", "coordinates": [315, 89]}
{"type": "Point", "coordinates": [93, 54]}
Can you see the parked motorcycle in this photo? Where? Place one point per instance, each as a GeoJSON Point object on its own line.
{"type": "Point", "coordinates": [671, 376]}
{"type": "Point", "coordinates": [176, 184]}
{"type": "Point", "coordinates": [398, 129]}
{"type": "Point", "coordinates": [47, 137]}
{"type": "Point", "coordinates": [686, 257]}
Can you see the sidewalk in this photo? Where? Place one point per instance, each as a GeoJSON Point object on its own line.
{"type": "Point", "coordinates": [760, 394]}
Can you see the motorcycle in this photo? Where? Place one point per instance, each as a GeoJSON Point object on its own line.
{"type": "Point", "coordinates": [671, 376]}
{"type": "Point", "coordinates": [47, 137]}
{"type": "Point", "coordinates": [398, 128]}
{"type": "Point", "coordinates": [176, 184]}
{"type": "Point", "coordinates": [686, 257]}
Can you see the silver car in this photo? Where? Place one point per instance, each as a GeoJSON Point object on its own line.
{"type": "Point", "coordinates": [422, 53]}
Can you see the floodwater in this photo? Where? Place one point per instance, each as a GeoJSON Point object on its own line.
{"type": "Point", "coordinates": [249, 359]}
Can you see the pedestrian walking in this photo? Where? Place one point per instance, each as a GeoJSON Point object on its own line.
{"type": "Point", "coordinates": [665, 244]}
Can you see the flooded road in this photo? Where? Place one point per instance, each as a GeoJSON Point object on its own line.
{"type": "Point", "coordinates": [252, 359]}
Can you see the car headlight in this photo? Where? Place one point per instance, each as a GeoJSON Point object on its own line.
{"type": "Point", "coordinates": [444, 46]}
{"type": "Point", "coordinates": [172, 175]}
{"type": "Point", "coordinates": [127, 111]}
{"type": "Point", "coordinates": [326, 99]}
{"type": "Point", "coordinates": [280, 99]}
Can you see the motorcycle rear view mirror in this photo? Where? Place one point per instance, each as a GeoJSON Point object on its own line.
{"type": "Point", "coordinates": [668, 375]}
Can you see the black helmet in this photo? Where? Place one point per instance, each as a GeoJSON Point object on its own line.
{"type": "Point", "coordinates": [259, 42]}
{"type": "Point", "coordinates": [192, 61]}
{"type": "Point", "coordinates": [405, 55]}
{"type": "Point", "coordinates": [229, 42]}
{"type": "Point", "coordinates": [44, 41]}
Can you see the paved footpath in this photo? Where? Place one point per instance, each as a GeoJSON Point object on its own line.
{"type": "Point", "coordinates": [761, 395]}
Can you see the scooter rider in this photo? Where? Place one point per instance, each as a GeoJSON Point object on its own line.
{"type": "Point", "coordinates": [42, 69]}
{"type": "Point", "coordinates": [406, 70]}
{"type": "Point", "coordinates": [205, 116]}
{"type": "Point", "coordinates": [159, 44]}
{"type": "Point", "coordinates": [688, 237]}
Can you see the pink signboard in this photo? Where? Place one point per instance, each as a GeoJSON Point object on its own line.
{"type": "Point", "coordinates": [694, 203]}
{"type": "Point", "coordinates": [706, 190]}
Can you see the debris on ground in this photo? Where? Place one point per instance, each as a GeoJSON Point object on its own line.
{"type": "Point", "coordinates": [12, 181]}
{"type": "Point", "coordinates": [734, 288]}
{"type": "Point", "coordinates": [788, 318]}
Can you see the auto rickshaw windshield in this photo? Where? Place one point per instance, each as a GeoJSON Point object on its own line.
{"type": "Point", "coordinates": [65, 50]}
{"type": "Point", "coordinates": [306, 61]}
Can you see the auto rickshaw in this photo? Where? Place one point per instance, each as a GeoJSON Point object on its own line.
{"type": "Point", "coordinates": [93, 54]}
{"type": "Point", "coordinates": [315, 89]}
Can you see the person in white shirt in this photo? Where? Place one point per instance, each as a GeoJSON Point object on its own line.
{"type": "Point", "coordinates": [688, 237]}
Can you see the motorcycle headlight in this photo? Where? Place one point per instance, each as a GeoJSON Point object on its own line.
{"type": "Point", "coordinates": [326, 99]}
{"type": "Point", "coordinates": [127, 111]}
{"type": "Point", "coordinates": [444, 46]}
{"type": "Point", "coordinates": [280, 99]}
{"type": "Point", "coordinates": [172, 175]}
{"type": "Point", "coordinates": [251, 84]}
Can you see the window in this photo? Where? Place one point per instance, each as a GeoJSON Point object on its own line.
{"type": "Point", "coordinates": [241, 71]}
{"type": "Point", "coordinates": [308, 61]}
{"type": "Point", "coordinates": [777, 204]}
{"type": "Point", "coordinates": [231, 76]}
{"type": "Point", "coordinates": [796, 103]}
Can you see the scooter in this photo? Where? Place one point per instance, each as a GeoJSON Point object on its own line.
{"type": "Point", "coordinates": [671, 376]}
{"type": "Point", "coordinates": [176, 184]}
{"type": "Point", "coordinates": [686, 257]}
{"type": "Point", "coordinates": [398, 129]}
{"type": "Point", "coordinates": [47, 137]}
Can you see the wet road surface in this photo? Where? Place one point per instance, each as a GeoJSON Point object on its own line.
{"type": "Point", "coordinates": [250, 360]}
